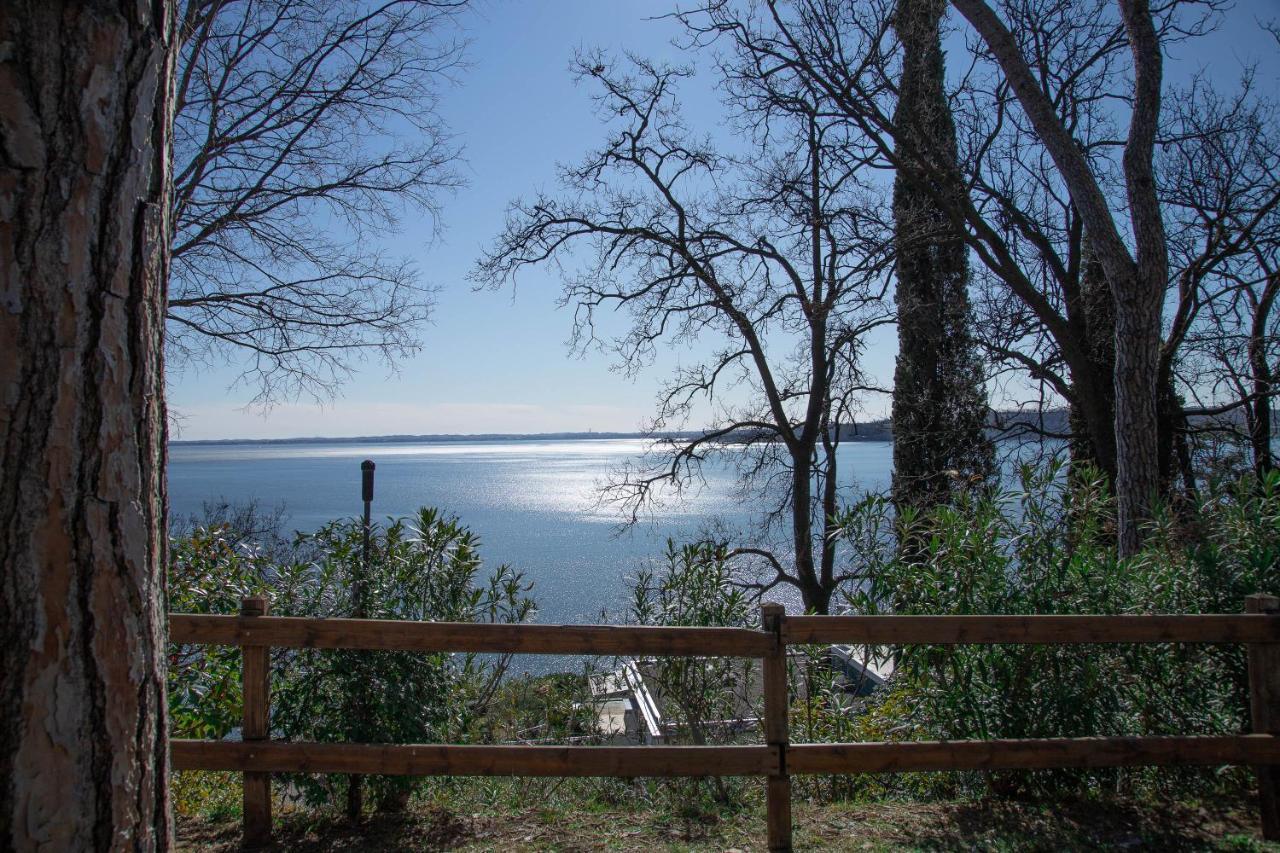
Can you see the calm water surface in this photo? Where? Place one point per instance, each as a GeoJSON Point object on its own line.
{"type": "Point", "coordinates": [533, 503]}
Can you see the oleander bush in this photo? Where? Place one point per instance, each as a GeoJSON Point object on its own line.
{"type": "Point", "coordinates": [1046, 546]}
{"type": "Point", "coordinates": [210, 570]}
{"type": "Point", "coordinates": [702, 697]}
{"type": "Point", "coordinates": [427, 567]}
{"type": "Point", "coordinates": [695, 587]}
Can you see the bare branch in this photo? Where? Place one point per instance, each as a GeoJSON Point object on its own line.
{"type": "Point", "coordinates": [291, 150]}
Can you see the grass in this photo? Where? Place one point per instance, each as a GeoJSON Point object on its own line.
{"type": "Point", "coordinates": [563, 822]}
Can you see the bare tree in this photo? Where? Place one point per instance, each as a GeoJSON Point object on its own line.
{"type": "Point", "coordinates": [1220, 181]}
{"type": "Point", "coordinates": [84, 119]}
{"type": "Point", "coordinates": [1080, 53]}
{"type": "Point", "coordinates": [1137, 278]}
{"type": "Point", "coordinates": [1053, 191]}
{"type": "Point", "coordinates": [779, 255]}
{"type": "Point", "coordinates": [303, 128]}
{"type": "Point", "coordinates": [1019, 226]}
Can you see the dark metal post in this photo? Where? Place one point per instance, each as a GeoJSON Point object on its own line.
{"type": "Point", "coordinates": [355, 792]}
{"type": "Point", "coordinates": [366, 494]}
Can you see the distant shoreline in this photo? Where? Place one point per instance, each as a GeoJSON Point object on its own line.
{"type": "Point", "coordinates": [1052, 421]}
{"type": "Point", "coordinates": [434, 438]}
{"type": "Point", "coordinates": [868, 432]}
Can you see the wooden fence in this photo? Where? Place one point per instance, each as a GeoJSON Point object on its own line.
{"type": "Point", "coordinates": [777, 759]}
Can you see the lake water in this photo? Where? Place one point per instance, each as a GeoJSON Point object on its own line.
{"type": "Point", "coordinates": [534, 503]}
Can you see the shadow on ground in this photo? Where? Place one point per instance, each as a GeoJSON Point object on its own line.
{"type": "Point", "coordinates": [984, 825]}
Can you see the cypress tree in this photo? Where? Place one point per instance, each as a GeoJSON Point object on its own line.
{"type": "Point", "coordinates": [939, 399]}
{"type": "Point", "coordinates": [1093, 407]}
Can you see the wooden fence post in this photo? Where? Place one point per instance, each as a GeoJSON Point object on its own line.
{"type": "Point", "coordinates": [256, 690]}
{"type": "Point", "coordinates": [1264, 708]}
{"type": "Point", "coordinates": [775, 728]}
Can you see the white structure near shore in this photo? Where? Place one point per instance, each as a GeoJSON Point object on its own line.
{"type": "Point", "coordinates": [630, 705]}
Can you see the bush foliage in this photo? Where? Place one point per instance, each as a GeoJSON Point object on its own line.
{"type": "Point", "coordinates": [426, 567]}
{"type": "Point", "coordinates": [1046, 547]}
{"type": "Point", "coordinates": [1043, 546]}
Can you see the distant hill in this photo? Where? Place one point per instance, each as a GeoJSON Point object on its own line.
{"type": "Point", "coordinates": [881, 430]}
{"type": "Point", "coordinates": [1051, 422]}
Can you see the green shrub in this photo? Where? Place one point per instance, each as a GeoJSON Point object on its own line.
{"type": "Point", "coordinates": [696, 588]}
{"type": "Point", "coordinates": [424, 568]}
{"type": "Point", "coordinates": [539, 708]}
{"type": "Point", "coordinates": [211, 794]}
{"type": "Point", "coordinates": [210, 570]}
{"type": "Point", "coordinates": [1046, 547]}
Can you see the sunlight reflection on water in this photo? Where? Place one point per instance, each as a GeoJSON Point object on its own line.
{"type": "Point", "coordinates": [534, 503]}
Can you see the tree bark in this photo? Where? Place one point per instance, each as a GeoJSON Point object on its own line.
{"type": "Point", "coordinates": [1263, 380]}
{"type": "Point", "coordinates": [1260, 429]}
{"type": "Point", "coordinates": [814, 594]}
{"type": "Point", "coordinates": [1092, 422]}
{"type": "Point", "coordinates": [1137, 284]}
{"type": "Point", "coordinates": [939, 401]}
{"type": "Point", "coordinates": [1169, 431]}
{"type": "Point", "coordinates": [1140, 299]}
{"type": "Point", "coordinates": [84, 94]}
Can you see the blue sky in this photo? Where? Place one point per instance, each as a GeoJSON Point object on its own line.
{"type": "Point", "coordinates": [498, 361]}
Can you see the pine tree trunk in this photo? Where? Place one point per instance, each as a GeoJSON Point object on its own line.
{"type": "Point", "coordinates": [84, 89]}
{"type": "Point", "coordinates": [1170, 435]}
{"type": "Point", "coordinates": [1092, 420]}
{"type": "Point", "coordinates": [1260, 429]}
{"type": "Point", "coordinates": [939, 401]}
{"type": "Point", "coordinates": [1139, 290]}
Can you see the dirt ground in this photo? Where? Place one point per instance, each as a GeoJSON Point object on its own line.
{"type": "Point", "coordinates": [968, 826]}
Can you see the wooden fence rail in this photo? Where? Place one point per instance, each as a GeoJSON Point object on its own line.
{"type": "Point", "coordinates": [387, 635]}
{"type": "Point", "coordinates": [453, 760]}
{"type": "Point", "coordinates": [777, 759]}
